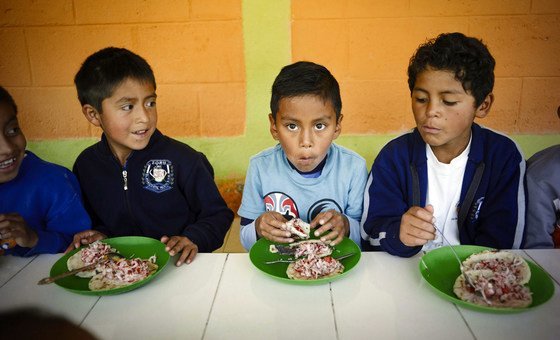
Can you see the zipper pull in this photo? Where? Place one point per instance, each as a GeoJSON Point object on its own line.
{"type": "Point", "coordinates": [124, 175]}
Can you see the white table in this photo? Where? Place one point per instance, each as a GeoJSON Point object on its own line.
{"type": "Point", "coordinates": [222, 296]}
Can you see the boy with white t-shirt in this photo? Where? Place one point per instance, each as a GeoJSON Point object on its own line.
{"type": "Point", "coordinates": [448, 172]}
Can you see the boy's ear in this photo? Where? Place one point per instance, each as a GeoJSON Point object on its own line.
{"type": "Point", "coordinates": [273, 129]}
{"type": "Point", "coordinates": [484, 108]}
{"type": "Point", "coordinates": [338, 127]}
{"type": "Point", "coordinates": [91, 114]}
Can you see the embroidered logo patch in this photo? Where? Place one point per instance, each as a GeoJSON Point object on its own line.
{"type": "Point", "coordinates": [158, 175]}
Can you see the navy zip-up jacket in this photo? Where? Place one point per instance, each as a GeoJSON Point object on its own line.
{"type": "Point", "coordinates": [492, 202]}
{"type": "Point", "coordinates": [167, 188]}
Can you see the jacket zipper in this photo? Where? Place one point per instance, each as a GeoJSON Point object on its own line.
{"type": "Point", "coordinates": [125, 178]}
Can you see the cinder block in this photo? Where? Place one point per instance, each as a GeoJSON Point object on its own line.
{"type": "Point", "coordinates": [222, 109]}
{"type": "Point", "coordinates": [540, 100]}
{"type": "Point", "coordinates": [523, 46]}
{"type": "Point", "coordinates": [14, 61]}
{"type": "Point", "coordinates": [50, 113]}
{"type": "Point", "coordinates": [130, 11]}
{"type": "Point", "coordinates": [504, 114]}
{"type": "Point", "coordinates": [215, 9]}
{"type": "Point", "coordinates": [56, 53]}
{"type": "Point", "coordinates": [377, 9]}
{"type": "Point", "coordinates": [471, 7]}
{"type": "Point", "coordinates": [36, 12]}
{"type": "Point", "coordinates": [377, 106]}
{"type": "Point", "coordinates": [318, 9]}
{"type": "Point", "coordinates": [322, 41]}
{"type": "Point", "coordinates": [195, 52]}
{"type": "Point", "coordinates": [178, 110]}
{"type": "Point", "coordinates": [545, 6]}
{"type": "Point", "coordinates": [381, 48]}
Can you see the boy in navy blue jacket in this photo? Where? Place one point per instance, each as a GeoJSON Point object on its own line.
{"type": "Point", "coordinates": [136, 181]}
{"type": "Point", "coordinates": [448, 174]}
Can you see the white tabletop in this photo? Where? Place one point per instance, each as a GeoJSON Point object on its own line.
{"type": "Point", "coordinates": [222, 296]}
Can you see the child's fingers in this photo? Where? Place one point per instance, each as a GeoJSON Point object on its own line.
{"type": "Point", "coordinates": [187, 255]}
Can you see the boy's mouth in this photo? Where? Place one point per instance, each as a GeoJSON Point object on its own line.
{"type": "Point", "coordinates": [140, 132]}
{"type": "Point", "coordinates": [7, 163]}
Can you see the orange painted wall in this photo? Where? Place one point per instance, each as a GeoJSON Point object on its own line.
{"type": "Point", "coordinates": [367, 46]}
{"type": "Point", "coordinates": [194, 46]}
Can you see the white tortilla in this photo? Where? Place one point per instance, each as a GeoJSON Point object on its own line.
{"type": "Point", "coordinates": [290, 226]}
{"type": "Point", "coordinates": [294, 275]}
{"type": "Point", "coordinates": [465, 292]}
{"type": "Point", "coordinates": [75, 262]}
{"type": "Point", "coordinates": [524, 272]}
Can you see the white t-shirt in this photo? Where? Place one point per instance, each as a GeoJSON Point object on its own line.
{"type": "Point", "coordinates": [444, 192]}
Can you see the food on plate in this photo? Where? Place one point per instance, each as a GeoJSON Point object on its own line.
{"type": "Point", "coordinates": [298, 228]}
{"type": "Point", "coordinates": [492, 289]}
{"type": "Point", "coordinates": [122, 272]}
{"type": "Point", "coordinates": [497, 278]}
{"type": "Point", "coordinates": [89, 255]}
{"type": "Point", "coordinates": [313, 268]}
{"type": "Point", "coordinates": [500, 262]}
{"type": "Point", "coordinates": [304, 248]}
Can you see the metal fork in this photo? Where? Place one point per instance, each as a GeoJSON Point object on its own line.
{"type": "Point", "coordinates": [467, 278]}
{"type": "Point", "coordinates": [290, 260]}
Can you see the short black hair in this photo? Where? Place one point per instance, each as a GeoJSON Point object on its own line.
{"type": "Point", "coordinates": [6, 98]}
{"type": "Point", "coordinates": [106, 69]}
{"type": "Point", "coordinates": [305, 78]}
{"type": "Point", "coordinates": [468, 58]}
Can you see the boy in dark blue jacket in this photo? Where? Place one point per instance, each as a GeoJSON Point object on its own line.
{"type": "Point", "coordinates": [136, 181]}
{"type": "Point", "coordinates": [448, 174]}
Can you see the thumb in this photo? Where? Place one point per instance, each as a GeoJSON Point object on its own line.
{"type": "Point", "coordinates": [430, 208]}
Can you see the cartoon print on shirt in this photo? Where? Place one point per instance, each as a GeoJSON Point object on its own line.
{"type": "Point", "coordinates": [282, 203]}
{"type": "Point", "coordinates": [158, 175]}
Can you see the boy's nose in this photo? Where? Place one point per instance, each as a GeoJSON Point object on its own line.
{"type": "Point", "coordinates": [143, 114]}
{"type": "Point", "coordinates": [433, 109]}
{"type": "Point", "coordinates": [306, 140]}
{"type": "Point", "coordinates": [6, 146]}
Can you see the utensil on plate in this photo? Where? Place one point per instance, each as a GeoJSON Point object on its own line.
{"type": "Point", "coordinates": [465, 275]}
{"type": "Point", "coordinates": [290, 260]}
{"type": "Point", "coordinates": [108, 257]}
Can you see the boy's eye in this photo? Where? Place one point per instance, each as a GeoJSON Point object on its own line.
{"type": "Point", "coordinates": [10, 132]}
{"type": "Point", "coordinates": [320, 126]}
{"type": "Point", "coordinates": [127, 107]}
{"type": "Point", "coordinates": [421, 100]}
{"type": "Point", "coordinates": [291, 127]}
{"type": "Point", "coordinates": [151, 103]}
{"type": "Point", "coordinates": [448, 103]}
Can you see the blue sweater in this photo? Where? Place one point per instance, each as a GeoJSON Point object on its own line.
{"type": "Point", "coordinates": [167, 188]}
{"type": "Point", "coordinates": [47, 196]}
{"type": "Point", "coordinates": [491, 205]}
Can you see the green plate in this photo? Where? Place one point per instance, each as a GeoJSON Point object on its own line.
{"type": "Point", "coordinates": [129, 246]}
{"type": "Point", "coordinates": [440, 269]}
{"type": "Point", "coordinates": [260, 253]}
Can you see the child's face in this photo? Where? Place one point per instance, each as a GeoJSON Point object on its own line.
{"type": "Point", "coordinates": [129, 117]}
{"type": "Point", "coordinates": [305, 126]}
{"type": "Point", "coordinates": [12, 144]}
{"type": "Point", "coordinates": [444, 112]}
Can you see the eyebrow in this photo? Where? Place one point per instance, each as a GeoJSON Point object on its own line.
{"type": "Point", "coordinates": [442, 92]}
{"type": "Point", "coordinates": [134, 99]}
